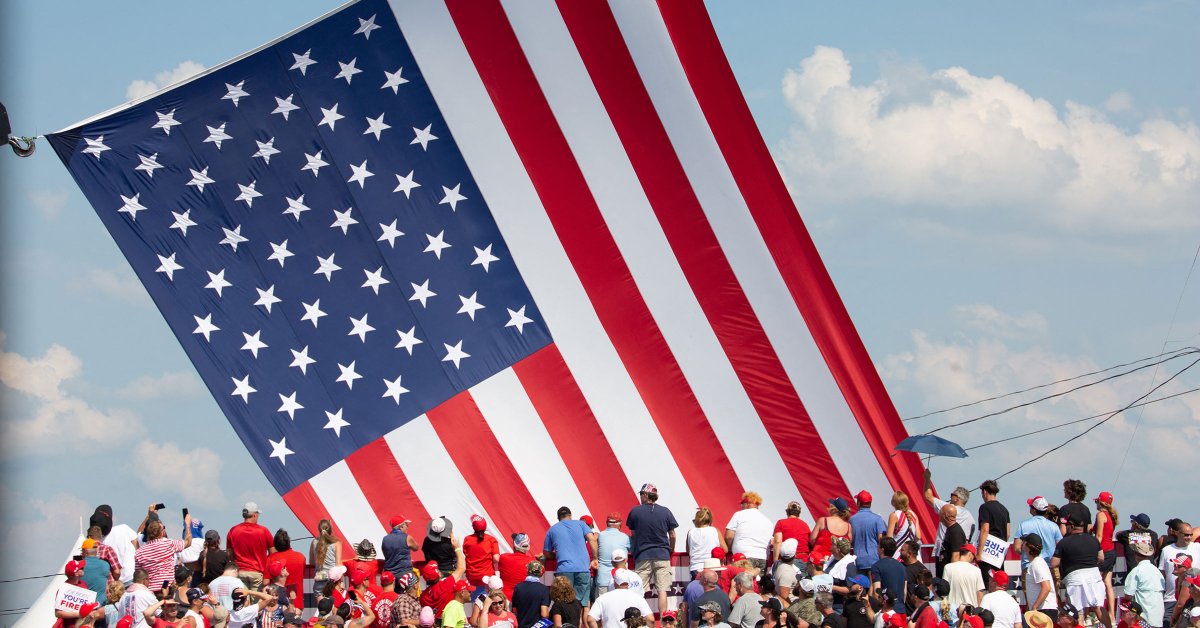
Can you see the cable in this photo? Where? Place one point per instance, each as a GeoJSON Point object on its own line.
{"type": "Point", "coordinates": [1060, 394]}
{"type": "Point", "coordinates": [1039, 386]}
{"type": "Point", "coordinates": [1098, 424]}
{"type": "Point", "coordinates": [30, 578]}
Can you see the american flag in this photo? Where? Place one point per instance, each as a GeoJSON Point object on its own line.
{"type": "Point", "coordinates": [495, 257]}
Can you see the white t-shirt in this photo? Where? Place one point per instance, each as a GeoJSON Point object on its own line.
{"type": "Point", "coordinates": [135, 602]}
{"type": "Point", "coordinates": [1164, 565]}
{"type": "Point", "coordinates": [964, 519]}
{"type": "Point", "coordinates": [784, 575]}
{"type": "Point", "coordinates": [839, 569]}
{"type": "Point", "coordinates": [700, 544]}
{"type": "Point", "coordinates": [752, 533]}
{"type": "Point", "coordinates": [1004, 608]}
{"type": "Point", "coordinates": [121, 538]}
{"type": "Point", "coordinates": [966, 581]}
{"type": "Point", "coordinates": [223, 586]}
{"type": "Point", "coordinates": [609, 609]}
{"type": "Point", "coordinates": [244, 616]}
{"type": "Point", "coordinates": [1037, 573]}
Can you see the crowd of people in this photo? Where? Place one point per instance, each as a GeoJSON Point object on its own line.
{"type": "Point", "coordinates": [852, 568]}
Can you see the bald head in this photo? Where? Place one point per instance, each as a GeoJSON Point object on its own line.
{"type": "Point", "coordinates": [708, 578]}
{"type": "Point", "coordinates": [949, 514]}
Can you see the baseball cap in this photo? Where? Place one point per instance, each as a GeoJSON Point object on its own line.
{"type": "Point", "coordinates": [387, 578]}
{"type": "Point", "coordinates": [1194, 581]}
{"type": "Point", "coordinates": [718, 552]}
{"type": "Point", "coordinates": [967, 547]}
{"type": "Point", "coordinates": [632, 613]}
{"type": "Point", "coordinates": [212, 535]}
{"type": "Point", "coordinates": [399, 520]}
{"type": "Point", "coordinates": [125, 622]}
{"type": "Point", "coordinates": [921, 592]}
{"type": "Point", "coordinates": [1068, 609]}
{"type": "Point", "coordinates": [194, 594]}
{"type": "Point", "coordinates": [478, 524]}
{"type": "Point", "coordinates": [1141, 519]}
{"type": "Point", "coordinates": [614, 517]}
{"type": "Point", "coordinates": [649, 488]}
{"type": "Point", "coordinates": [860, 580]}
{"type": "Point", "coordinates": [406, 581]}
{"type": "Point", "coordinates": [1038, 503]}
{"type": "Point", "coordinates": [1131, 605]}
{"type": "Point", "coordinates": [624, 576]}
{"type": "Point", "coordinates": [73, 567]}
{"type": "Point", "coordinates": [1000, 578]}
{"type": "Point", "coordinates": [807, 585]}
{"type": "Point", "coordinates": [668, 615]}
{"type": "Point", "coordinates": [521, 541]}
{"type": "Point", "coordinates": [840, 503]}
{"type": "Point", "coordinates": [619, 554]}
{"type": "Point", "coordinates": [88, 544]}
{"type": "Point", "coordinates": [817, 557]}
{"type": "Point", "coordinates": [787, 549]}
{"type": "Point", "coordinates": [357, 577]}
{"type": "Point", "coordinates": [337, 572]}
{"type": "Point", "coordinates": [863, 497]}
{"type": "Point", "coordinates": [1104, 497]}
{"type": "Point", "coordinates": [430, 571]}
{"type": "Point", "coordinates": [713, 564]}
{"type": "Point", "coordinates": [738, 556]}
{"type": "Point", "coordinates": [973, 620]}
{"type": "Point", "coordinates": [274, 569]}
{"type": "Point", "coordinates": [462, 585]}
{"type": "Point", "coordinates": [591, 523]}
{"type": "Point", "coordinates": [898, 620]}
{"type": "Point", "coordinates": [772, 603]}
{"type": "Point", "coordinates": [250, 508]}
{"type": "Point", "coordinates": [87, 609]}
{"type": "Point", "coordinates": [1182, 560]}
{"type": "Point", "coordinates": [427, 617]}
{"type": "Point", "coordinates": [1075, 520]}
{"type": "Point", "coordinates": [712, 606]}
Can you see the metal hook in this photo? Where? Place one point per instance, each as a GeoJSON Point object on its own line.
{"type": "Point", "coordinates": [22, 151]}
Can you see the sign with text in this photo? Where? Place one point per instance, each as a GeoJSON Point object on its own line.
{"type": "Point", "coordinates": [71, 597]}
{"type": "Point", "coordinates": [993, 552]}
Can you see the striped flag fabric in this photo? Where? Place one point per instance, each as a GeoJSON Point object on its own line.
{"type": "Point", "coordinates": [447, 257]}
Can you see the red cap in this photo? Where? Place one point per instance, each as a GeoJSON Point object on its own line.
{"type": "Point", "coordinates": [863, 497]}
{"type": "Point", "coordinates": [274, 569]}
{"type": "Point", "coordinates": [73, 567]}
{"type": "Point", "coordinates": [667, 614]}
{"type": "Point", "coordinates": [357, 577]}
{"type": "Point", "coordinates": [125, 622]}
{"type": "Point", "coordinates": [430, 571]}
{"type": "Point", "coordinates": [87, 609]}
{"type": "Point", "coordinates": [738, 556]}
{"type": "Point", "coordinates": [478, 524]}
{"type": "Point", "coordinates": [967, 547]}
{"type": "Point", "coordinates": [398, 520]}
{"type": "Point", "coordinates": [1105, 497]}
{"type": "Point", "coordinates": [387, 578]}
{"type": "Point", "coordinates": [718, 553]}
{"type": "Point", "coordinates": [1182, 560]}
{"type": "Point", "coordinates": [1000, 578]}
{"type": "Point", "coordinates": [615, 517]}
{"type": "Point", "coordinates": [462, 585]}
{"type": "Point", "coordinates": [591, 523]}
{"type": "Point", "coordinates": [1194, 581]}
{"type": "Point", "coordinates": [942, 624]}
{"type": "Point", "coordinates": [817, 557]}
{"type": "Point", "coordinates": [974, 620]}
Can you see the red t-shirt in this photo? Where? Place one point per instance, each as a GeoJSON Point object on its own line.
{"type": "Point", "coordinates": [927, 617]}
{"type": "Point", "coordinates": [383, 608]}
{"type": "Point", "coordinates": [438, 595]}
{"type": "Point", "coordinates": [725, 578]}
{"type": "Point", "coordinates": [371, 567]}
{"type": "Point", "coordinates": [247, 544]}
{"type": "Point", "coordinates": [795, 528]}
{"type": "Point", "coordinates": [478, 555]}
{"type": "Point", "coordinates": [513, 569]}
{"type": "Point", "coordinates": [294, 562]}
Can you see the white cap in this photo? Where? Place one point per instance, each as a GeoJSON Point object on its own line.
{"type": "Point", "coordinates": [713, 564]}
{"type": "Point", "coordinates": [787, 549]}
{"type": "Point", "coordinates": [1040, 504]}
{"type": "Point", "coordinates": [493, 582]}
{"type": "Point", "coordinates": [250, 508]}
{"type": "Point", "coordinates": [438, 525]}
{"type": "Point", "coordinates": [624, 576]}
{"type": "Point", "coordinates": [619, 554]}
{"type": "Point", "coordinates": [808, 586]}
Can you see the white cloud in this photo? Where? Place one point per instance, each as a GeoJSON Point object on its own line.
{"type": "Point", "coordinates": [35, 539]}
{"type": "Point", "coordinates": [958, 142]}
{"type": "Point", "coordinates": [1119, 102]}
{"type": "Point", "coordinates": [49, 202]}
{"type": "Point", "coordinates": [139, 88]}
{"type": "Point", "coordinates": [192, 474]}
{"type": "Point", "coordinates": [172, 385]}
{"type": "Point", "coordinates": [992, 321]}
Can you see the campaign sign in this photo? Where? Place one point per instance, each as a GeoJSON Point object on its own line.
{"type": "Point", "coordinates": [993, 552]}
{"type": "Point", "coordinates": [71, 597]}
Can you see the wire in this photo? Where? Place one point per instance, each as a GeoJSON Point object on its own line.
{"type": "Point", "coordinates": [1039, 386]}
{"type": "Point", "coordinates": [1060, 394]}
{"type": "Point", "coordinates": [30, 578]}
{"type": "Point", "coordinates": [1098, 424]}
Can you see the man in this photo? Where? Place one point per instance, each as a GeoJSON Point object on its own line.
{"type": "Point", "coordinates": [854, 605]}
{"type": "Point", "coordinates": [1077, 558]}
{"type": "Point", "coordinates": [455, 613]}
{"type": "Point", "coordinates": [1004, 608]}
{"type": "Point", "coordinates": [830, 619]}
{"type": "Point", "coordinates": [609, 609]}
{"type": "Point", "coordinates": [482, 553]}
{"type": "Point", "coordinates": [398, 547]}
{"type": "Point", "coordinates": [1038, 524]}
{"type": "Point", "coordinates": [1139, 532]}
{"type": "Point", "coordinates": [962, 516]}
{"type": "Point", "coordinates": [1146, 584]}
{"type": "Point", "coordinates": [74, 572]}
{"type": "Point", "coordinates": [923, 615]}
{"type": "Point", "coordinates": [710, 593]}
{"type": "Point", "coordinates": [867, 528]}
{"type": "Point", "coordinates": [567, 542]}
{"type": "Point", "coordinates": [746, 610]}
{"type": "Point", "coordinates": [1182, 546]}
{"type": "Point", "coordinates": [361, 588]}
{"type": "Point", "coordinates": [104, 552]}
{"type": "Point", "coordinates": [384, 600]}
{"type": "Point", "coordinates": [914, 569]}
{"type": "Point", "coordinates": [406, 610]}
{"type": "Point", "coordinates": [439, 589]}
{"type": "Point", "coordinates": [96, 571]}
{"type": "Point", "coordinates": [137, 598]}
{"type": "Point", "coordinates": [292, 562]}
{"type": "Point", "coordinates": [224, 585]}
{"type": "Point", "coordinates": [749, 531]}
{"type": "Point", "coordinates": [994, 521]}
{"type": "Point", "coordinates": [531, 598]}
{"type": "Point", "coordinates": [952, 538]}
{"type": "Point", "coordinates": [157, 554]}
{"type": "Point", "coordinates": [120, 537]}
{"type": "Point", "coordinates": [890, 574]}
{"type": "Point", "coordinates": [653, 527]}
{"type": "Point", "coordinates": [248, 544]}
{"type": "Point", "coordinates": [244, 614]}
{"type": "Point", "coordinates": [609, 541]}
{"type": "Point", "coordinates": [1132, 614]}
{"type": "Point", "coordinates": [966, 582]}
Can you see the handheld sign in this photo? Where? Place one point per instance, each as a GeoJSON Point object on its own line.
{"type": "Point", "coordinates": [71, 598]}
{"type": "Point", "coordinates": [993, 552]}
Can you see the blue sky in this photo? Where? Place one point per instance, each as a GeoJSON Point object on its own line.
{"type": "Point", "coordinates": [1004, 195]}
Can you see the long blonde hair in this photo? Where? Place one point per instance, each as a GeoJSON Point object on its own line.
{"type": "Point", "coordinates": [1111, 511]}
{"type": "Point", "coordinates": [703, 517]}
{"type": "Point", "coordinates": [900, 501]}
{"type": "Point", "coordinates": [325, 538]}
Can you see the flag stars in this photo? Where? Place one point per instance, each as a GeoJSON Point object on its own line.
{"type": "Point", "coordinates": [366, 26]}
{"type": "Point", "coordinates": [408, 339]}
{"type": "Point", "coordinates": [343, 220]}
{"type": "Point", "coordinates": [289, 405]}
{"type": "Point", "coordinates": [360, 174]}
{"type": "Point", "coordinates": [253, 343]}
{"type": "Point", "coordinates": [451, 197]}
{"type": "Point", "coordinates": [217, 134]}
{"type": "Point", "coordinates": [166, 121]}
{"type": "Point", "coordinates": [374, 279]}
{"type": "Point", "coordinates": [296, 207]}
{"type": "Point", "coordinates": [390, 233]}
{"type": "Point", "coordinates": [329, 117]}
{"type": "Point", "coordinates": [406, 184]}
{"type": "Point", "coordinates": [131, 206]}
{"type": "Point", "coordinates": [200, 178]}
{"type": "Point", "coordinates": [216, 281]}
{"type": "Point", "coordinates": [315, 163]}
{"type": "Point", "coordinates": [267, 298]}
{"type": "Point", "coordinates": [168, 266]}
{"type": "Point", "coordinates": [455, 353]}
{"type": "Point", "coordinates": [376, 126]}
{"type": "Point", "coordinates": [234, 238]}
{"type": "Point", "coordinates": [394, 389]}
{"type": "Point", "coordinates": [436, 244]}
{"type": "Point", "coordinates": [279, 253]}
{"type": "Point", "coordinates": [360, 328]}
{"type": "Point", "coordinates": [470, 305]}
{"type": "Point", "coordinates": [325, 266]}
{"type": "Point", "coordinates": [301, 360]}
{"type": "Point", "coordinates": [284, 106]}
{"type": "Point", "coordinates": [249, 193]}
{"type": "Point", "coordinates": [422, 293]}
{"type": "Point", "coordinates": [235, 92]}
{"type": "Point", "coordinates": [183, 221]}
{"type": "Point", "coordinates": [280, 450]}
{"type": "Point", "coordinates": [484, 257]}
{"type": "Point", "coordinates": [149, 164]}
{"type": "Point", "coordinates": [518, 319]}
{"type": "Point", "coordinates": [313, 313]}
{"type": "Point", "coordinates": [266, 149]}
{"type": "Point", "coordinates": [302, 62]}
{"type": "Point", "coordinates": [242, 388]}
{"type": "Point", "coordinates": [423, 136]}
{"type": "Point", "coordinates": [205, 326]}
{"type": "Point", "coordinates": [394, 80]}
{"type": "Point", "coordinates": [335, 422]}
{"type": "Point", "coordinates": [95, 147]}
{"type": "Point", "coordinates": [348, 375]}
{"type": "Point", "coordinates": [348, 70]}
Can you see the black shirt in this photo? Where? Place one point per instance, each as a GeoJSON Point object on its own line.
{"type": "Point", "coordinates": [913, 577]}
{"type": "Point", "coordinates": [1078, 551]}
{"type": "Point", "coordinates": [996, 516]}
{"type": "Point", "coordinates": [441, 551]}
{"type": "Point", "coordinates": [953, 541]}
{"type": "Point", "coordinates": [855, 612]}
{"type": "Point", "coordinates": [1129, 537]}
{"type": "Point", "coordinates": [1079, 512]}
{"type": "Point", "coordinates": [833, 620]}
{"type": "Point", "coordinates": [527, 600]}
{"type": "Point", "coordinates": [213, 563]}
{"type": "Point", "coordinates": [571, 612]}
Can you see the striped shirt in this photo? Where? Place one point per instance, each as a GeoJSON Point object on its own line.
{"type": "Point", "coordinates": [107, 553]}
{"type": "Point", "coordinates": [158, 559]}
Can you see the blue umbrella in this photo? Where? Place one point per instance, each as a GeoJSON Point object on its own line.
{"type": "Point", "coordinates": [931, 445]}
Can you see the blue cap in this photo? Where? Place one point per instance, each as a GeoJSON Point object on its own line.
{"type": "Point", "coordinates": [1141, 519]}
{"type": "Point", "coordinates": [840, 503]}
{"type": "Point", "coordinates": [860, 580]}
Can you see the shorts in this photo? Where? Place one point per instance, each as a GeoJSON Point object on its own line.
{"type": "Point", "coordinates": [1086, 590]}
{"type": "Point", "coordinates": [581, 581]}
{"type": "Point", "coordinates": [656, 572]}
{"type": "Point", "coordinates": [253, 579]}
{"type": "Point", "coordinates": [1110, 561]}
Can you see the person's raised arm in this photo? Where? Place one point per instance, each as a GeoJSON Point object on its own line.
{"type": "Point", "coordinates": [729, 534]}
{"type": "Point", "coordinates": [142, 526]}
{"type": "Point", "coordinates": [412, 543]}
{"type": "Point", "coordinates": [460, 560]}
{"type": "Point", "coordinates": [592, 541]}
{"type": "Point", "coordinates": [150, 611]}
{"type": "Point", "coordinates": [187, 530]}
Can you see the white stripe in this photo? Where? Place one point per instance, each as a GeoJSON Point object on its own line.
{"type": "Point", "coordinates": [631, 220]}
{"type": "Point", "coordinates": [648, 41]}
{"type": "Point", "coordinates": [434, 478]}
{"type": "Point", "coordinates": [504, 403]}
{"type": "Point", "coordinates": [346, 504]}
{"type": "Point", "coordinates": [547, 271]}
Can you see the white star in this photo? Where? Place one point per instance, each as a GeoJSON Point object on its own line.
{"type": "Point", "coordinates": [325, 266]}
{"type": "Point", "coordinates": [296, 207]}
{"type": "Point", "coordinates": [376, 126]}
{"type": "Point", "coordinates": [348, 70]}
{"type": "Point", "coordinates": [312, 312]}
{"type": "Point", "coordinates": [360, 174]}
{"type": "Point", "coordinates": [301, 360]}
{"type": "Point", "coordinates": [374, 279]}
{"type": "Point", "coordinates": [96, 146]}
{"type": "Point", "coordinates": [216, 135]}
{"type": "Point", "coordinates": [484, 257]}
{"type": "Point", "coordinates": [452, 197]}
{"type": "Point", "coordinates": [248, 193]}
{"type": "Point", "coordinates": [469, 305]}
{"type": "Point", "coordinates": [131, 206]}
{"type": "Point", "coordinates": [343, 220]}
{"type": "Point", "coordinates": [436, 244]}
{"type": "Point", "coordinates": [302, 62]}
{"type": "Point", "coordinates": [233, 238]}
{"type": "Point", "coordinates": [348, 375]}
{"type": "Point", "coordinates": [408, 339]}
{"type": "Point", "coordinates": [166, 121]}
{"type": "Point", "coordinates": [360, 328]}
{"type": "Point", "coordinates": [205, 326]}
{"type": "Point", "coordinates": [518, 319]}
{"type": "Point", "coordinates": [394, 389]}
{"type": "Point", "coordinates": [243, 388]}
{"type": "Point", "coordinates": [335, 422]}
{"type": "Point", "coordinates": [200, 178]}
{"type": "Point", "coordinates": [266, 149]}
{"type": "Point", "coordinates": [284, 106]}
{"type": "Point", "coordinates": [182, 221]}
{"type": "Point", "coordinates": [267, 298]}
{"type": "Point", "coordinates": [315, 163]}
{"type": "Point", "coordinates": [235, 92]}
{"type": "Point", "coordinates": [149, 164]}
{"type": "Point", "coordinates": [455, 354]}
{"type": "Point", "coordinates": [424, 137]}
{"type": "Point", "coordinates": [253, 343]}
{"type": "Point", "coordinates": [394, 80]}
{"type": "Point", "coordinates": [390, 233]}
{"type": "Point", "coordinates": [422, 293]}
{"type": "Point", "coordinates": [330, 117]}
{"type": "Point", "coordinates": [167, 265]}
{"type": "Point", "coordinates": [366, 26]}
{"type": "Point", "coordinates": [289, 405]}
{"type": "Point", "coordinates": [217, 282]}
{"type": "Point", "coordinates": [279, 253]}
{"type": "Point", "coordinates": [280, 450]}
{"type": "Point", "coordinates": [406, 184]}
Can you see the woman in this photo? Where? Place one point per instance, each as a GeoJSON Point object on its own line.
{"type": "Point", "coordinates": [1106, 516]}
{"type": "Point", "coordinates": [701, 540]}
{"type": "Point", "coordinates": [842, 571]}
{"type": "Point", "coordinates": [514, 565]}
{"type": "Point", "coordinates": [335, 586]}
{"type": "Point", "coordinates": [497, 615]}
{"type": "Point", "coordinates": [325, 554]}
{"type": "Point", "coordinates": [1039, 582]}
{"type": "Point", "coordinates": [710, 616]}
{"type": "Point", "coordinates": [564, 606]}
{"type": "Point", "coordinates": [792, 527]}
{"type": "Point", "coordinates": [113, 592]}
{"type": "Point", "coordinates": [437, 545]}
{"type": "Point", "coordinates": [479, 608]}
{"type": "Point", "coordinates": [212, 558]}
{"type": "Point", "coordinates": [902, 523]}
{"type": "Point", "coordinates": [835, 525]}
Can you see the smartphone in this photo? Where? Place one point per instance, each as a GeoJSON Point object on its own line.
{"type": "Point", "coordinates": [185, 513]}
{"type": "Point", "coordinates": [166, 584]}
{"type": "Point", "coordinates": [159, 506]}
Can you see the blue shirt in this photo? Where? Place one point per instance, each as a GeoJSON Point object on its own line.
{"type": "Point", "coordinates": [609, 540]}
{"type": "Point", "coordinates": [891, 575]}
{"type": "Point", "coordinates": [568, 540]}
{"type": "Point", "coordinates": [867, 527]}
{"type": "Point", "coordinates": [651, 525]}
{"type": "Point", "coordinates": [1044, 528]}
{"type": "Point", "coordinates": [397, 558]}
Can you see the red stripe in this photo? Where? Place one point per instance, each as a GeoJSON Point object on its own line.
{"type": "Point", "coordinates": [597, 261]}
{"type": "Point", "coordinates": [485, 467]}
{"type": "Point", "coordinates": [386, 487]}
{"type": "Point", "coordinates": [694, 243]}
{"type": "Point", "coordinates": [778, 221]}
{"type": "Point", "coordinates": [576, 433]}
{"type": "Point", "coordinates": [309, 509]}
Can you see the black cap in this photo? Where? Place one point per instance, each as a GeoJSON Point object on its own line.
{"type": "Point", "coordinates": [325, 606]}
{"type": "Point", "coordinates": [632, 613]}
{"type": "Point", "coordinates": [772, 603]}
{"type": "Point", "coordinates": [942, 587]}
{"type": "Point", "coordinates": [1068, 609]}
{"type": "Point", "coordinates": [920, 591]}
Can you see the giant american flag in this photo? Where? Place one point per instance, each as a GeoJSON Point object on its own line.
{"type": "Point", "coordinates": [494, 256]}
